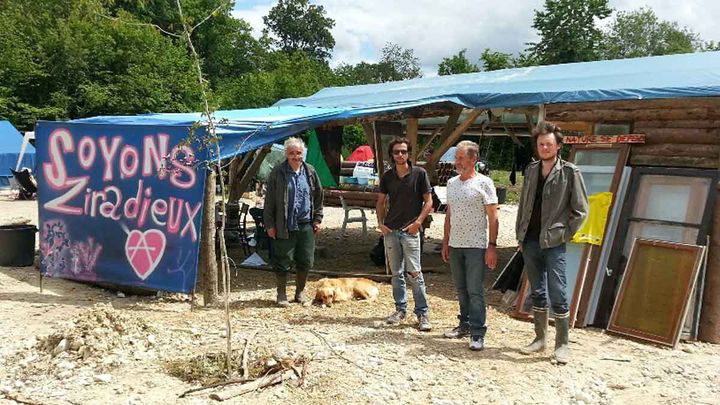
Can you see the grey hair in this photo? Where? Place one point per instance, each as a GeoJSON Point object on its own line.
{"type": "Point", "coordinates": [296, 142]}
{"type": "Point", "coordinates": [471, 148]}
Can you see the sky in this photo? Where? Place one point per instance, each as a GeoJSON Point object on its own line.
{"type": "Point", "coordinates": [437, 29]}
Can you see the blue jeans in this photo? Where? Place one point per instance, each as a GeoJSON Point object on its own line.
{"type": "Point", "coordinates": [468, 270]}
{"type": "Point", "coordinates": [545, 269]}
{"type": "Point", "coordinates": [403, 253]}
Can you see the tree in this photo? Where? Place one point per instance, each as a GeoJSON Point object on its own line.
{"type": "Point", "coordinates": [568, 31]}
{"type": "Point", "coordinates": [641, 33]}
{"type": "Point", "coordinates": [456, 64]}
{"type": "Point", "coordinates": [396, 63]}
{"type": "Point", "coordinates": [300, 26]}
{"type": "Point", "coordinates": [493, 60]}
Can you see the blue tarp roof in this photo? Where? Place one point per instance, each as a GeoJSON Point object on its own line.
{"type": "Point", "coordinates": [10, 144]}
{"type": "Point", "coordinates": [674, 76]}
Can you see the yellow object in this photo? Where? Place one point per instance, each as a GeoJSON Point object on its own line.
{"type": "Point", "coordinates": [593, 229]}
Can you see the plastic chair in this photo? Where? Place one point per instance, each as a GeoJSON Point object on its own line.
{"type": "Point", "coordinates": [261, 236]}
{"type": "Point", "coordinates": [242, 228]}
{"type": "Point", "coordinates": [348, 219]}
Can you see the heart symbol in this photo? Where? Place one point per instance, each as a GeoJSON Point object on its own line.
{"type": "Point", "coordinates": [144, 251]}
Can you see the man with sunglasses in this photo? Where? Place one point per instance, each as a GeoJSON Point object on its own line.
{"type": "Point", "coordinates": [407, 188]}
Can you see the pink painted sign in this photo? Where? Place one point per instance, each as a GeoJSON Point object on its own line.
{"type": "Point", "coordinates": [119, 204]}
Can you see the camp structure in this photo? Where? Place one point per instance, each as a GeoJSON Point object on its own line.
{"type": "Point", "coordinates": [15, 153]}
{"type": "Point", "coordinates": [125, 192]}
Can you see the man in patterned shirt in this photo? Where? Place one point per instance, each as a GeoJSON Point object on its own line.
{"type": "Point", "coordinates": [471, 210]}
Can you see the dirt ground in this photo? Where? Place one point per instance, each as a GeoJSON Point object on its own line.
{"type": "Point", "coordinates": [79, 344]}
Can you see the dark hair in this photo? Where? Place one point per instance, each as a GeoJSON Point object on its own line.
{"type": "Point", "coordinates": [398, 140]}
{"type": "Point", "coordinates": [545, 128]}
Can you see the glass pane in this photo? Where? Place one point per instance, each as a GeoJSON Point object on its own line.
{"type": "Point", "coordinates": [597, 182]}
{"type": "Point", "coordinates": [596, 157]}
{"type": "Point", "coordinates": [672, 198]}
{"type": "Point", "coordinates": [670, 233]}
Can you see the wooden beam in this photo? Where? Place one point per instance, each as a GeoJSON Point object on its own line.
{"type": "Point", "coordinates": [254, 167]}
{"type": "Point", "coordinates": [236, 167]}
{"type": "Point", "coordinates": [455, 135]}
{"type": "Point", "coordinates": [411, 132]}
{"type": "Point", "coordinates": [369, 131]}
{"type": "Point", "coordinates": [379, 156]}
{"type": "Point", "coordinates": [427, 143]}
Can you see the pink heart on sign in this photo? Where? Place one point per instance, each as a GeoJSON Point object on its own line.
{"type": "Point", "coordinates": [144, 251]}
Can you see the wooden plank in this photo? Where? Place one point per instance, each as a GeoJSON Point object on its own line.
{"type": "Point", "coordinates": [636, 115]}
{"type": "Point", "coordinates": [690, 124]}
{"type": "Point", "coordinates": [411, 132]}
{"type": "Point", "coordinates": [236, 167]}
{"type": "Point", "coordinates": [429, 141]}
{"type": "Point", "coordinates": [685, 150]}
{"type": "Point", "coordinates": [711, 102]}
{"type": "Point", "coordinates": [673, 161]}
{"type": "Point", "coordinates": [369, 131]}
{"type": "Point", "coordinates": [679, 135]}
{"type": "Point", "coordinates": [379, 154]}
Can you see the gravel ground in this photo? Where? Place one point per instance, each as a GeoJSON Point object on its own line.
{"type": "Point", "coordinates": [356, 358]}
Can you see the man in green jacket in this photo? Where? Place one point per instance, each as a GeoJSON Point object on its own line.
{"type": "Point", "coordinates": [293, 212]}
{"type": "Point", "coordinates": [553, 205]}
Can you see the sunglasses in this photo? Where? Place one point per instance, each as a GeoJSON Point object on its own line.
{"type": "Point", "coordinates": [400, 152]}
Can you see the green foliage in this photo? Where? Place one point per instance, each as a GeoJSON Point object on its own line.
{"type": "Point", "coordinates": [493, 60]}
{"type": "Point", "coordinates": [568, 31]}
{"type": "Point", "coordinates": [353, 136]}
{"type": "Point", "coordinates": [641, 33]}
{"type": "Point", "coordinates": [301, 26]}
{"type": "Point", "coordinates": [396, 63]}
{"type": "Point", "coordinates": [283, 76]}
{"type": "Point", "coordinates": [456, 64]}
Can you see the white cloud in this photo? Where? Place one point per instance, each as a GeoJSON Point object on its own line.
{"type": "Point", "coordinates": [438, 29]}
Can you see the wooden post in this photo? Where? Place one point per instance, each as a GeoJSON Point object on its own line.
{"type": "Point", "coordinates": [411, 133]}
{"type": "Point", "coordinates": [369, 131]}
{"type": "Point", "coordinates": [709, 328]}
{"type": "Point", "coordinates": [207, 263]}
{"type": "Point", "coordinates": [429, 141]}
{"type": "Point", "coordinates": [379, 153]}
{"type": "Point", "coordinates": [236, 166]}
{"type": "Point", "coordinates": [253, 169]}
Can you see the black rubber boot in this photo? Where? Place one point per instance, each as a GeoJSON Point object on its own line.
{"type": "Point", "coordinates": [540, 319]}
{"type": "Point", "coordinates": [281, 282]}
{"type": "Point", "coordinates": [300, 281]}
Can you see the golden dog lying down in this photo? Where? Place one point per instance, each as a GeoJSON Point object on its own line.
{"type": "Point", "coordinates": [330, 290]}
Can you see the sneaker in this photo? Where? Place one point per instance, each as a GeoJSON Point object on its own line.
{"type": "Point", "coordinates": [458, 332]}
{"type": "Point", "coordinates": [477, 343]}
{"type": "Point", "coordinates": [424, 323]}
{"type": "Point", "coordinates": [396, 317]}
{"type": "Point", "coordinates": [300, 297]}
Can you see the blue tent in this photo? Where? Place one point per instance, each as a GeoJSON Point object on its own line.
{"type": "Point", "coordinates": [673, 76]}
{"type": "Point", "coordinates": [10, 145]}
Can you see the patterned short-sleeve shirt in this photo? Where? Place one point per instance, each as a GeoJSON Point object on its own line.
{"type": "Point", "coordinates": [468, 219]}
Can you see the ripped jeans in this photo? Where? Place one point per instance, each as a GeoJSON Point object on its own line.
{"type": "Point", "coordinates": [403, 253]}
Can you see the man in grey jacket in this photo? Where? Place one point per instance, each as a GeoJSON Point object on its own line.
{"type": "Point", "coordinates": [293, 212]}
{"type": "Point", "coordinates": [553, 205]}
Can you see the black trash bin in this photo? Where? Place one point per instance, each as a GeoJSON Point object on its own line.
{"type": "Point", "coordinates": [17, 245]}
{"type": "Point", "coordinates": [501, 194]}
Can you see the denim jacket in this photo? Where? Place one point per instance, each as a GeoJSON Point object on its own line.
{"type": "Point", "coordinates": [564, 203]}
{"type": "Point", "coordinates": [276, 200]}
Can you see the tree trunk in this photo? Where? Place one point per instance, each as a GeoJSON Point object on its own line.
{"type": "Point", "coordinates": [207, 264]}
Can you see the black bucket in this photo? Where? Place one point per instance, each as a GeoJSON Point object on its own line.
{"type": "Point", "coordinates": [17, 245]}
{"type": "Point", "coordinates": [501, 194]}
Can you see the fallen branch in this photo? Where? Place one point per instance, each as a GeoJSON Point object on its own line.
{"type": "Point", "coordinates": [616, 359]}
{"type": "Point", "coordinates": [260, 383]}
{"type": "Point", "coordinates": [215, 385]}
{"type": "Point", "coordinates": [245, 369]}
{"type": "Point", "coordinates": [322, 338]}
{"type": "Point", "coordinates": [20, 400]}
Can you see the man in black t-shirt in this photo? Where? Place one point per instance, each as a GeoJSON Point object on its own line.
{"type": "Point", "coordinates": [410, 201]}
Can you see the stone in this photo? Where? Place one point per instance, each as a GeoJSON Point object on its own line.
{"type": "Point", "coordinates": [151, 339]}
{"type": "Point", "coordinates": [103, 378]}
{"type": "Point", "coordinates": [61, 347]}
{"type": "Point", "coordinates": [583, 396]}
{"type": "Point", "coordinates": [120, 294]}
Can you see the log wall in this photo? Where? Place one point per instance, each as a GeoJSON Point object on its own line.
{"type": "Point", "coordinates": [678, 133]}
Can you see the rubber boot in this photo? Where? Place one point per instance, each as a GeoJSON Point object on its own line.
{"type": "Point", "coordinates": [562, 340]}
{"type": "Point", "coordinates": [281, 281]}
{"type": "Point", "coordinates": [540, 319]}
{"type": "Point", "coordinates": [300, 280]}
